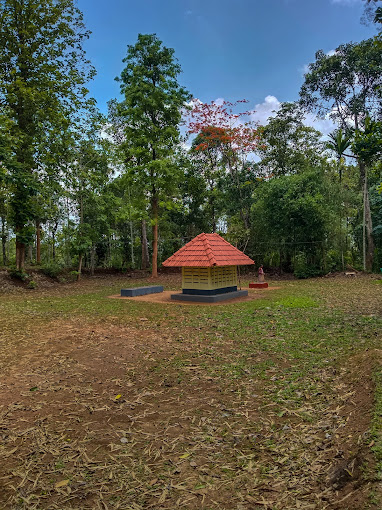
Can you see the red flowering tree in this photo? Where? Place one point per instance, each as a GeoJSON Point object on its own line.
{"type": "Point", "coordinates": [222, 129]}
{"type": "Point", "coordinates": [233, 132]}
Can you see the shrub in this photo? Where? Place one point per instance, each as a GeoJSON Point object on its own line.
{"type": "Point", "coordinates": [19, 275]}
{"type": "Point", "coordinates": [51, 269]}
{"type": "Point", "coordinates": [333, 261]}
{"type": "Point", "coordinates": [32, 285]}
{"type": "Point", "coordinates": [74, 274]}
{"type": "Point", "coordinates": [302, 269]}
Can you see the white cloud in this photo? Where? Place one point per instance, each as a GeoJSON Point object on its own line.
{"type": "Point", "coordinates": [219, 101]}
{"type": "Point", "coordinates": [270, 106]}
{"type": "Point", "coordinates": [325, 126]}
{"type": "Point", "coordinates": [263, 111]}
{"type": "Point", "coordinates": [194, 101]}
{"type": "Point", "coordinates": [346, 2]}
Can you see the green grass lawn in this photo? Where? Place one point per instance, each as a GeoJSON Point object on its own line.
{"type": "Point", "coordinates": [272, 403]}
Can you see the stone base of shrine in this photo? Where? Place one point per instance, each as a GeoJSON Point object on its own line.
{"type": "Point", "coordinates": [141, 291]}
{"type": "Point", "coordinates": [262, 285]}
{"type": "Point", "coordinates": [215, 298]}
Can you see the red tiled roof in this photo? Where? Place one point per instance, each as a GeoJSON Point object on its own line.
{"type": "Point", "coordinates": [208, 250]}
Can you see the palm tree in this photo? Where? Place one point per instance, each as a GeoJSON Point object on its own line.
{"type": "Point", "coordinates": [338, 143]}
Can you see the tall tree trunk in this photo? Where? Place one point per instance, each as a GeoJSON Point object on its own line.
{"type": "Point", "coordinates": [145, 246]}
{"type": "Point", "coordinates": [81, 254]}
{"type": "Point", "coordinates": [154, 206]}
{"type": "Point", "coordinates": [212, 203]}
{"type": "Point", "coordinates": [67, 245]}
{"type": "Point", "coordinates": [132, 244]}
{"type": "Point", "coordinates": [53, 245]}
{"type": "Point", "coordinates": [79, 267]}
{"type": "Point", "coordinates": [54, 230]}
{"type": "Point", "coordinates": [38, 242]}
{"type": "Point", "coordinates": [369, 231]}
{"type": "Point", "coordinates": [3, 240]}
{"type": "Point", "coordinates": [367, 227]}
{"type": "Point", "coordinates": [110, 249]}
{"type": "Point", "coordinates": [92, 260]}
{"type": "Point", "coordinates": [243, 212]}
{"type": "Point", "coordinates": [20, 253]}
{"type": "Point", "coordinates": [244, 218]}
{"type": "Point", "coordinates": [364, 226]}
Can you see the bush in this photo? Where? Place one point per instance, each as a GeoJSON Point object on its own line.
{"type": "Point", "coordinates": [302, 269]}
{"type": "Point", "coordinates": [74, 275]}
{"type": "Point", "coordinates": [333, 261]}
{"type": "Point", "coordinates": [19, 275]}
{"type": "Point", "coordinates": [32, 285]}
{"type": "Point", "coordinates": [51, 269]}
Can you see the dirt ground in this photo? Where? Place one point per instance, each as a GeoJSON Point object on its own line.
{"type": "Point", "coordinates": [109, 414]}
{"type": "Point", "coordinates": [165, 297]}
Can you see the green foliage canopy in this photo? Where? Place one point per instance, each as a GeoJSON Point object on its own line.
{"type": "Point", "coordinates": [43, 72]}
{"type": "Point", "coordinates": [294, 214]}
{"type": "Point", "coordinates": [347, 85]}
{"type": "Point", "coordinates": [148, 119]}
{"type": "Point", "coordinates": [288, 145]}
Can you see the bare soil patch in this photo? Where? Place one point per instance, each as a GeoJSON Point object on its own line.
{"type": "Point", "coordinates": [165, 297]}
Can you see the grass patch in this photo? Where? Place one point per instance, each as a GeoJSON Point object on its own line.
{"type": "Point", "coordinates": [297, 302]}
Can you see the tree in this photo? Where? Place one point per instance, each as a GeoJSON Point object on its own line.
{"type": "Point", "coordinates": [205, 155]}
{"type": "Point", "coordinates": [339, 141]}
{"type": "Point", "coordinates": [226, 139]}
{"type": "Point", "coordinates": [150, 113]}
{"type": "Point", "coordinates": [87, 186]}
{"type": "Point", "coordinates": [299, 225]}
{"type": "Point", "coordinates": [347, 87]}
{"type": "Point", "coordinates": [373, 12]}
{"type": "Point", "coordinates": [288, 146]}
{"type": "Point", "coordinates": [237, 200]}
{"type": "Point", "coordinates": [3, 214]}
{"type": "Point", "coordinates": [6, 162]}
{"type": "Point", "coordinates": [367, 146]}
{"type": "Point", "coordinates": [191, 216]}
{"type": "Point", "coordinates": [43, 72]}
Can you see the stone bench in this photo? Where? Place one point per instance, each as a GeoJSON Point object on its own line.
{"type": "Point", "coordinates": [141, 291]}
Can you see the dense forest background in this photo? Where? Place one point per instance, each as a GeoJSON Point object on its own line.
{"type": "Point", "coordinates": [79, 190]}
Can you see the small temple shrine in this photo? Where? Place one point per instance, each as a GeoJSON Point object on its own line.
{"type": "Point", "coordinates": [209, 269]}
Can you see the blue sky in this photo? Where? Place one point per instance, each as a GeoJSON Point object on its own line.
{"type": "Point", "coordinates": [232, 49]}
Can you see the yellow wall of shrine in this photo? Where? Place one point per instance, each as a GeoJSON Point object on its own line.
{"type": "Point", "coordinates": [209, 278]}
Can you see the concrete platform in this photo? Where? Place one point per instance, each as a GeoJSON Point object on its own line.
{"type": "Point", "coordinates": [262, 285]}
{"type": "Point", "coordinates": [202, 298]}
{"type": "Point", "coordinates": [141, 291]}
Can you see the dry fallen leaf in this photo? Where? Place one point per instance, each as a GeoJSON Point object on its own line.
{"type": "Point", "coordinates": [61, 484]}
